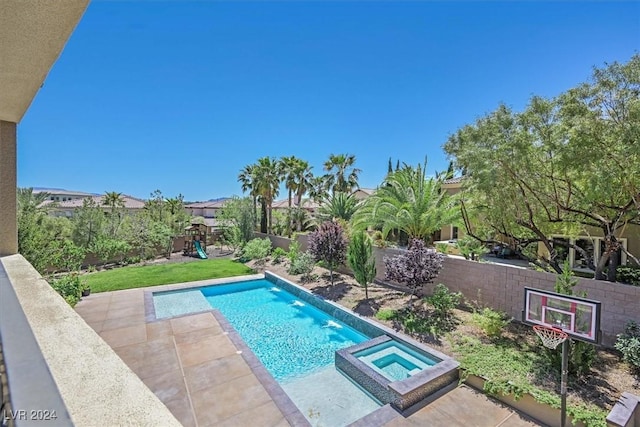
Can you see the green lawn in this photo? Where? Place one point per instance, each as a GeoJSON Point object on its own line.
{"type": "Point", "coordinates": [153, 275]}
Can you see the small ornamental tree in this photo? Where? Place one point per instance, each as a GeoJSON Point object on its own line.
{"type": "Point", "coordinates": [415, 268]}
{"type": "Point", "coordinates": [328, 244]}
{"type": "Point", "coordinates": [361, 260]}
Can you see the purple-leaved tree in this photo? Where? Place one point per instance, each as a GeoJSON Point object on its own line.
{"type": "Point", "coordinates": [415, 268]}
{"type": "Point", "coordinates": [329, 245]}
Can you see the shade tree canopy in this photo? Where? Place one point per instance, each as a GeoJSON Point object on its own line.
{"type": "Point", "coordinates": [563, 166]}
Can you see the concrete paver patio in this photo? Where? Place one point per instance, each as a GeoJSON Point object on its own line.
{"type": "Point", "coordinates": [196, 367]}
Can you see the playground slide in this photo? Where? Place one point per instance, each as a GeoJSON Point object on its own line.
{"type": "Point", "coordinates": [202, 254]}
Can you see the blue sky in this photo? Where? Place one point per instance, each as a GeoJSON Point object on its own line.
{"type": "Point", "coordinates": [179, 96]}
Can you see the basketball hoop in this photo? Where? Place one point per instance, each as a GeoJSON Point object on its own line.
{"type": "Point", "coordinates": [551, 337]}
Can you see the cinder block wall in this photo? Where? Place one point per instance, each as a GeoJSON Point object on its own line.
{"type": "Point", "coordinates": [501, 287]}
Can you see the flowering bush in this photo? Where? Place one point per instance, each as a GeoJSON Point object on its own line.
{"type": "Point", "coordinates": [415, 268]}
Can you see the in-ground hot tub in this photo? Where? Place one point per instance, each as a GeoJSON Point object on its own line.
{"type": "Point", "coordinates": [396, 372]}
{"type": "Point", "coordinates": [394, 360]}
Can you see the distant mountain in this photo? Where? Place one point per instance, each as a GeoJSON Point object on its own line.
{"type": "Point", "coordinates": [219, 199]}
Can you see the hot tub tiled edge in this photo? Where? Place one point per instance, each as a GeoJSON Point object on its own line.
{"type": "Point", "coordinates": [425, 383]}
{"type": "Point", "coordinates": [401, 394]}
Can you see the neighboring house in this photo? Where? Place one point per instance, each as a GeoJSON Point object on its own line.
{"type": "Point", "coordinates": [450, 232]}
{"type": "Point", "coordinates": [67, 208]}
{"type": "Point", "coordinates": [208, 209]}
{"type": "Point", "coordinates": [61, 195]}
{"type": "Point", "coordinates": [307, 204]}
{"type": "Point", "coordinates": [363, 193]}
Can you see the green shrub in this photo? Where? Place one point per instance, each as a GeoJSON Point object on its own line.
{"type": "Point", "coordinates": [69, 287]}
{"type": "Point", "coordinates": [386, 314]}
{"type": "Point", "coordinates": [257, 249]}
{"type": "Point", "coordinates": [294, 251]}
{"type": "Point", "coordinates": [581, 354]}
{"type": "Point", "coordinates": [581, 357]}
{"type": "Point", "coordinates": [443, 301]}
{"type": "Point", "coordinates": [277, 255]}
{"type": "Point", "coordinates": [470, 247]}
{"type": "Point", "coordinates": [302, 264]}
{"type": "Point", "coordinates": [510, 369]}
{"type": "Point", "coordinates": [442, 248]}
{"type": "Point", "coordinates": [417, 322]}
{"type": "Point", "coordinates": [491, 322]}
{"type": "Point", "coordinates": [629, 275]}
{"type": "Point", "coordinates": [628, 343]}
{"type": "Point", "coordinates": [437, 320]}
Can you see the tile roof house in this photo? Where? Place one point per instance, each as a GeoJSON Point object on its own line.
{"type": "Point", "coordinates": [68, 207]}
{"type": "Point", "coordinates": [207, 209]}
{"type": "Point", "coordinates": [61, 195]}
{"type": "Point", "coordinates": [363, 193]}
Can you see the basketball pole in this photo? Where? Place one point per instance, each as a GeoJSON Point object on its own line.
{"type": "Point", "coordinates": [563, 383]}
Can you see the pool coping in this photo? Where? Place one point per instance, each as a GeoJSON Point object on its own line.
{"type": "Point", "coordinates": [290, 411]}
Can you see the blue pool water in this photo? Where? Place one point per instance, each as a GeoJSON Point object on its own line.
{"type": "Point", "coordinates": [292, 338]}
{"type": "Point", "coordinates": [394, 360]}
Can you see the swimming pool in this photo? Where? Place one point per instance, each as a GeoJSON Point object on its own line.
{"type": "Point", "coordinates": [315, 349]}
{"type": "Point", "coordinates": [295, 341]}
{"type": "Point", "coordinates": [291, 338]}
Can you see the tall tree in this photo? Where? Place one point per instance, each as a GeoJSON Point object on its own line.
{"type": "Point", "coordinates": [318, 188]}
{"type": "Point", "coordinates": [155, 206]}
{"type": "Point", "coordinates": [115, 202]}
{"type": "Point", "coordinates": [297, 175]}
{"type": "Point", "coordinates": [410, 202]}
{"type": "Point", "coordinates": [328, 244]}
{"type": "Point", "coordinates": [28, 201]}
{"type": "Point", "coordinates": [342, 175]}
{"type": "Point", "coordinates": [237, 220]}
{"type": "Point", "coordinates": [32, 236]}
{"type": "Point", "coordinates": [267, 178]}
{"type": "Point", "coordinates": [562, 166]}
{"type": "Point", "coordinates": [361, 260]}
{"type": "Point", "coordinates": [177, 219]}
{"type": "Point", "coordinates": [247, 180]}
{"type": "Point", "coordinates": [88, 223]}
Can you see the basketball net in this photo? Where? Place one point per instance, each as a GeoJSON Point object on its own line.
{"type": "Point", "coordinates": [551, 337]}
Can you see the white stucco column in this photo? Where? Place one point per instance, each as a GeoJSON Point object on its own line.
{"type": "Point", "coordinates": [8, 184]}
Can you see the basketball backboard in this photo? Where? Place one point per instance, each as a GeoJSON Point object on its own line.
{"type": "Point", "coordinates": [578, 317]}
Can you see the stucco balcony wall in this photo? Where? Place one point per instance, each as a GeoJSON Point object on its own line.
{"type": "Point", "coordinates": [73, 365]}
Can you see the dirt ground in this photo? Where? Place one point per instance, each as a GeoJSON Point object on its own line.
{"type": "Point", "coordinates": [608, 378]}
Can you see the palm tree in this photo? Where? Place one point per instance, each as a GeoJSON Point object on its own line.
{"type": "Point", "coordinates": [339, 205]}
{"type": "Point", "coordinates": [297, 176]}
{"type": "Point", "coordinates": [31, 213]}
{"type": "Point", "coordinates": [342, 176]}
{"type": "Point", "coordinates": [114, 200]}
{"type": "Point", "coordinates": [246, 179]}
{"type": "Point", "coordinates": [289, 166]}
{"type": "Point", "coordinates": [409, 202]}
{"type": "Point", "coordinates": [318, 188]}
{"type": "Point", "coordinates": [30, 202]}
{"type": "Point", "coordinates": [266, 182]}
